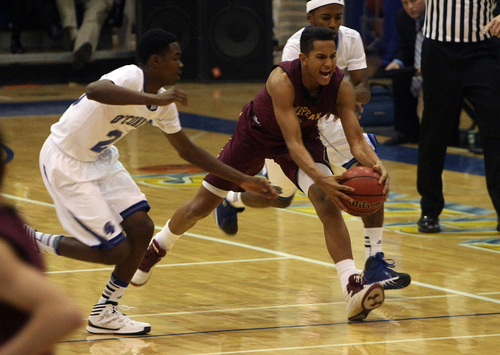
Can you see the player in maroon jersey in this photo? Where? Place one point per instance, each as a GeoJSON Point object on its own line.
{"type": "Point", "coordinates": [281, 124]}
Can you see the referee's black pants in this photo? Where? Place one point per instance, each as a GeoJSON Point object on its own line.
{"type": "Point", "coordinates": [452, 71]}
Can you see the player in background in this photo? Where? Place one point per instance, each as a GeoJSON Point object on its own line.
{"type": "Point", "coordinates": [96, 199]}
{"type": "Point", "coordinates": [282, 123]}
{"type": "Point", "coordinates": [351, 58]}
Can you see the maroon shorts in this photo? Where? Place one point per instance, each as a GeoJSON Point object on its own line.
{"type": "Point", "coordinates": [249, 146]}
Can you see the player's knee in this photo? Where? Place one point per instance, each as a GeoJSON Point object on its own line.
{"type": "Point", "coordinates": [139, 228]}
{"type": "Point", "coordinates": [117, 254]}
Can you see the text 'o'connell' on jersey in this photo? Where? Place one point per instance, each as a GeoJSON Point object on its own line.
{"type": "Point", "coordinates": [134, 121]}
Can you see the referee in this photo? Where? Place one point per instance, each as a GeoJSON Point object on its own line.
{"type": "Point", "coordinates": [458, 60]}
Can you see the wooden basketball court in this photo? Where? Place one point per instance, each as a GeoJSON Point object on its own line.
{"type": "Point", "coordinates": [272, 288]}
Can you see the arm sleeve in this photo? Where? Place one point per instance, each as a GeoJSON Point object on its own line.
{"type": "Point", "coordinates": [127, 76]}
{"type": "Point", "coordinates": [357, 57]}
{"type": "Point", "coordinates": [168, 121]}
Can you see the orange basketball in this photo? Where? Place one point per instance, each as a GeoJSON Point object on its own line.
{"type": "Point", "coordinates": [368, 196]}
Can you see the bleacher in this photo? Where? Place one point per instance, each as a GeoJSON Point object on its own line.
{"type": "Point", "coordinates": [49, 61]}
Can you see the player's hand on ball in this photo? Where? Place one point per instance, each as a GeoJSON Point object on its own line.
{"type": "Point", "coordinates": [384, 177]}
{"type": "Point", "coordinates": [336, 191]}
{"type": "Point", "coordinates": [368, 195]}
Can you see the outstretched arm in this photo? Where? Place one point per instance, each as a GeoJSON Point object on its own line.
{"type": "Point", "coordinates": [106, 92]}
{"type": "Point", "coordinates": [201, 158]}
{"type": "Point", "coordinates": [52, 314]}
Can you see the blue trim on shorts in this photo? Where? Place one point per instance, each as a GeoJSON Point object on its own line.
{"type": "Point", "coordinates": [46, 177]}
{"type": "Point", "coordinates": [373, 140]}
{"type": "Point", "coordinates": [110, 244]}
{"type": "Point", "coordinates": [107, 244]}
{"type": "Point", "coordinates": [350, 163]}
{"type": "Point", "coordinates": [139, 206]}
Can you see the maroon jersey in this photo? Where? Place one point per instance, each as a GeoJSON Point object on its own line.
{"type": "Point", "coordinates": [258, 135]}
{"type": "Point", "coordinates": [12, 231]}
{"type": "Point", "coordinates": [309, 110]}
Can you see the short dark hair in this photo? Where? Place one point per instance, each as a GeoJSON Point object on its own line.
{"type": "Point", "coordinates": [155, 41]}
{"type": "Point", "coordinates": [311, 34]}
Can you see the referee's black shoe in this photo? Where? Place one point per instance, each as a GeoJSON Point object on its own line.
{"type": "Point", "coordinates": [428, 224]}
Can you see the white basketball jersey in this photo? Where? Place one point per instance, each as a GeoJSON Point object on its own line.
{"type": "Point", "coordinates": [88, 127]}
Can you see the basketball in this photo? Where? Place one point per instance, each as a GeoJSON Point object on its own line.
{"type": "Point", "coordinates": [368, 195]}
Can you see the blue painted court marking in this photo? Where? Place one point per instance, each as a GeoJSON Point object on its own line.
{"type": "Point", "coordinates": [454, 162]}
{"type": "Point", "coordinates": [409, 155]}
{"type": "Point", "coordinates": [206, 123]}
{"type": "Point", "coordinates": [40, 108]}
{"type": "Point", "coordinates": [291, 327]}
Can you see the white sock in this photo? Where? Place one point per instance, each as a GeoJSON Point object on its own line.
{"type": "Point", "coordinates": [234, 198]}
{"type": "Point", "coordinates": [165, 238]}
{"type": "Point", "coordinates": [345, 268]}
{"type": "Point", "coordinates": [114, 291]}
{"type": "Point", "coordinates": [373, 241]}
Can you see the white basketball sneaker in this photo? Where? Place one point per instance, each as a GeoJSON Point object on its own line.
{"type": "Point", "coordinates": [106, 319]}
{"type": "Point", "coordinates": [362, 299]}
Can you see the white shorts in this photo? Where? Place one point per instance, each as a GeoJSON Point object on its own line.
{"type": "Point", "coordinates": [339, 153]}
{"type": "Point", "coordinates": [91, 198]}
{"type": "Point", "coordinates": [333, 137]}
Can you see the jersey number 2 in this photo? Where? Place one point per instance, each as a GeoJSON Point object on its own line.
{"type": "Point", "coordinates": [99, 147]}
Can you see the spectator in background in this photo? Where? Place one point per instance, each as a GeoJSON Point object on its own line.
{"type": "Point", "coordinates": [85, 37]}
{"type": "Point", "coordinates": [34, 314]}
{"type": "Point", "coordinates": [409, 22]}
{"type": "Point", "coordinates": [22, 14]}
{"type": "Point", "coordinates": [389, 43]}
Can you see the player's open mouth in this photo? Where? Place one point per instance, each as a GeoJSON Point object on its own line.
{"type": "Point", "coordinates": [325, 74]}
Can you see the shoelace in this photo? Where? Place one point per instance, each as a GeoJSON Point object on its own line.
{"type": "Point", "coordinates": [352, 289]}
{"type": "Point", "coordinates": [117, 315]}
{"type": "Point", "coordinates": [358, 279]}
{"type": "Point", "coordinates": [389, 263]}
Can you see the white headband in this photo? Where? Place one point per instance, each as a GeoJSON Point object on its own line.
{"type": "Point", "coordinates": [314, 4]}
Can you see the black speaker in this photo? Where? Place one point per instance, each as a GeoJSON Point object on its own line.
{"type": "Point", "coordinates": [236, 40]}
{"type": "Point", "coordinates": [179, 17]}
{"type": "Point", "coordinates": [223, 40]}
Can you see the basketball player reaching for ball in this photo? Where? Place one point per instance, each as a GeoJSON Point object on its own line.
{"type": "Point", "coordinates": [350, 56]}
{"type": "Point", "coordinates": [282, 123]}
{"type": "Point", "coordinates": [96, 199]}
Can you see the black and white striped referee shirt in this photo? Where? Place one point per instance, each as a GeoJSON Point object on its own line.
{"type": "Point", "coordinates": [457, 20]}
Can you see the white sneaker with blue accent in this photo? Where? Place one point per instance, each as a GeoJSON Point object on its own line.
{"type": "Point", "coordinates": [106, 319]}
